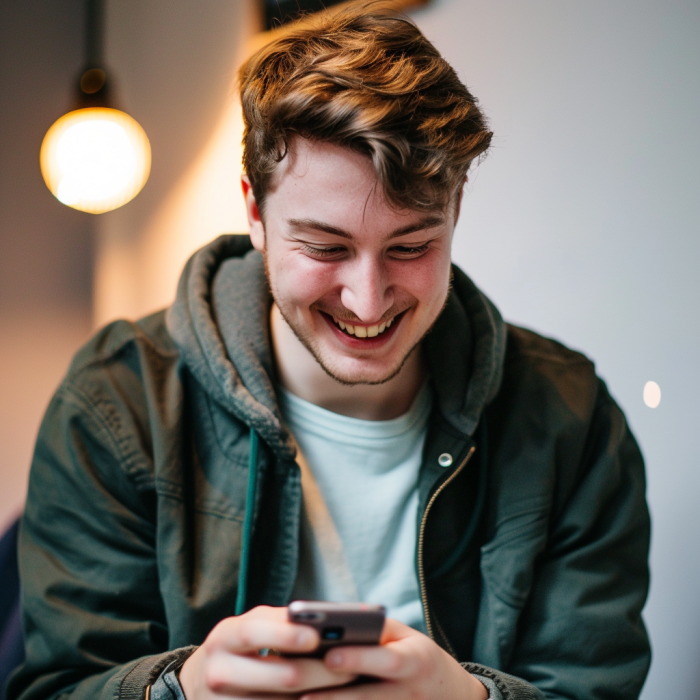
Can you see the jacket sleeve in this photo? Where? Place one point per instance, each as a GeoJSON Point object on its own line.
{"type": "Point", "coordinates": [502, 686]}
{"type": "Point", "coordinates": [93, 617]}
{"type": "Point", "coordinates": [580, 633]}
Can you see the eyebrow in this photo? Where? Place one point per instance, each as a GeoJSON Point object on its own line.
{"type": "Point", "coordinates": [430, 221]}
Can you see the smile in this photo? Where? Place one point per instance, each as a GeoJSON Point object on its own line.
{"type": "Point", "coordinates": [363, 331]}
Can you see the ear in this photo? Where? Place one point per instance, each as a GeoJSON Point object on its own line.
{"type": "Point", "coordinates": [257, 230]}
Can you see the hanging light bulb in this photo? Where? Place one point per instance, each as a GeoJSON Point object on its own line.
{"type": "Point", "coordinates": [95, 158]}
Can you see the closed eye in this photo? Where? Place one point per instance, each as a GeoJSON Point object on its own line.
{"type": "Point", "coordinates": [326, 252]}
{"type": "Point", "coordinates": [409, 251]}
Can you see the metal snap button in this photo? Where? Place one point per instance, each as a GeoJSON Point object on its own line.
{"type": "Point", "coordinates": [445, 460]}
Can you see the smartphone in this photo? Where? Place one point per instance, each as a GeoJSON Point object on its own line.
{"type": "Point", "coordinates": [339, 624]}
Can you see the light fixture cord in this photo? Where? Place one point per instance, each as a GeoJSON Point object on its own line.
{"type": "Point", "coordinates": [94, 33]}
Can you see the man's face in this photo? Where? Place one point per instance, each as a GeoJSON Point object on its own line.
{"type": "Point", "coordinates": [359, 282]}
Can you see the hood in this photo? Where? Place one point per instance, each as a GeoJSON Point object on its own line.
{"type": "Point", "coordinates": [465, 350]}
{"type": "Point", "coordinates": [220, 322]}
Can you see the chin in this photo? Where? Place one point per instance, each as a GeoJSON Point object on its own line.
{"type": "Point", "coordinates": [361, 373]}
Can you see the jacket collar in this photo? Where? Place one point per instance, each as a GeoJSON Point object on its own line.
{"type": "Point", "coordinates": [465, 351]}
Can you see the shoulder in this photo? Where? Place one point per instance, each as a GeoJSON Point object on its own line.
{"type": "Point", "coordinates": [149, 337]}
{"type": "Point", "coordinates": [553, 423]}
{"type": "Point", "coordinates": [524, 345]}
{"type": "Point", "coordinates": [135, 354]}
{"type": "Point", "coordinates": [542, 416]}
{"type": "Point", "coordinates": [546, 374]}
{"type": "Point", "coordinates": [123, 386]}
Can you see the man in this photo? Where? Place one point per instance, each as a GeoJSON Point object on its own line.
{"type": "Point", "coordinates": [330, 409]}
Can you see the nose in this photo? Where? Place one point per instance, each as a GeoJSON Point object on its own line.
{"type": "Point", "coordinates": [366, 290]}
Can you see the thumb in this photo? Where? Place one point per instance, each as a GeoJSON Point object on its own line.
{"type": "Point", "coordinates": [395, 630]}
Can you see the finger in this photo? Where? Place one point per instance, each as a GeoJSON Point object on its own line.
{"type": "Point", "coordinates": [251, 632]}
{"type": "Point", "coordinates": [229, 673]}
{"type": "Point", "coordinates": [395, 630]}
{"type": "Point", "coordinates": [392, 661]}
{"type": "Point", "coordinates": [381, 690]}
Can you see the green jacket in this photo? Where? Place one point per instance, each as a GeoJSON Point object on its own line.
{"type": "Point", "coordinates": [532, 550]}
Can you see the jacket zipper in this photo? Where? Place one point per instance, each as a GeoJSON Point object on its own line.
{"type": "Point", "coordinates": [421, 541]}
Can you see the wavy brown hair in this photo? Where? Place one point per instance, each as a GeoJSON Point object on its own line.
{"type": "Point", "coordinates": [365, 78]}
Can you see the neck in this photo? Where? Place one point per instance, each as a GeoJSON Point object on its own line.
{"type": "Point", "coordinates": [300, 373]}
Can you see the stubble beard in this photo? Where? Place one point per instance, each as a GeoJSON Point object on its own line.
{"type": "Point", "coordinates": [306, 339]}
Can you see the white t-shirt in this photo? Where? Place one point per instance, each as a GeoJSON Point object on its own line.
{"type": "Point", "coordinates": [359, 524]}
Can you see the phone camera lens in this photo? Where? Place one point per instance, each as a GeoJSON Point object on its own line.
{"type": "Point", "coordinates": [333, 634]}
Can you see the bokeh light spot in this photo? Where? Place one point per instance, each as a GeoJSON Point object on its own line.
{"type": "Point", "coordinates": [652, 394]}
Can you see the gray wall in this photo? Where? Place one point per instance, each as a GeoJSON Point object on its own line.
{"type": "Point", "coordinates": [583, 224]}
{"type": "Point", "coordinates": [46, 249]}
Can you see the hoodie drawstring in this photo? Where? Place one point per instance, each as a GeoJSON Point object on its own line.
{"type": "Point", "coordinates": [247, 524]}
{"type": "Point", "coordinates": [250, 510]}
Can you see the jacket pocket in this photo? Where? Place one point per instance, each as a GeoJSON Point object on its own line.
{"type": "Point", "coordinates": [507, 561]}
{"type": "Point", "coordinates": [507, 573]}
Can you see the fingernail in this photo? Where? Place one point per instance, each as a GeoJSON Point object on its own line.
{"type": "Point", "coordinates": [335, 658]}
{"type": "Point", "coordinates": [305, 638]}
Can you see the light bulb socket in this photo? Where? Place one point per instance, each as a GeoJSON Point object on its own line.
{"type": "Point", "coordinates": [94, 89]}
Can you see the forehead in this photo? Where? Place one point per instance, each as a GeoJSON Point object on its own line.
{"type": "Point", "coordinates": [333, 184]}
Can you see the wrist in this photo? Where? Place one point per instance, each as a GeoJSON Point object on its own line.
{"type": "Point", "coordinates": [478, 690]}
{"type": "Point", "coordinates": [187, 674]}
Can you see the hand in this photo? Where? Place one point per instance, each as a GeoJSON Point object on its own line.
{"type": "Point", "coordinates": [407, 663]}
{"type": "Point", "coordinates": [228, 664]}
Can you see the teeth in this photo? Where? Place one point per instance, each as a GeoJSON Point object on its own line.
{"type": "Point", "coordinates": [364, 331]}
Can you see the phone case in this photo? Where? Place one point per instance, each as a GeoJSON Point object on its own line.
{"type": "Point", "coordinates": [339, 623]}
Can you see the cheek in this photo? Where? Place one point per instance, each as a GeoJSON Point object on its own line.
{"type": "Point", "coordinates": [299, 280]}
{"type": "Point", "coordinates": [427, 280]}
